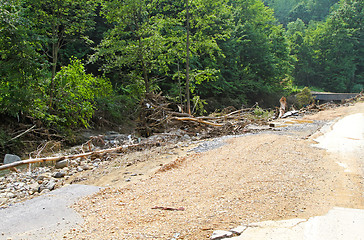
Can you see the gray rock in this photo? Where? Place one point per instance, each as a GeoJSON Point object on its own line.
{"type": "Point", "coordinates": [48, 185]}
{"type": "Point", "coordinates": [85, 167]}
{"type": "Point", "coordinates": [62, 163]}
{"type": "Point", "coordinates": [79, 169]}
{"type": "Point", "coordinates": [34, 187]}
{"type": "Point", "coordinates": [219, 234]}
{"type": "Point", "coordinates": [19, 185]}
{"type": "Point", "coordinates": [10, 158]}
{"type": "Point", "coordinates": [44, 176]}
{"type": "Point", "coordinates": [3, 200]}
{"type": "Point", "coordinates": [97, 160]}
{"type": "Point", "coordinates": [10, 195]}
{"type": "Point", "coordinates": [60, 174]}
{"type": "Point", "coordinates": [46, 190]}
{"type": "Point", "coordinates": [186, 137]}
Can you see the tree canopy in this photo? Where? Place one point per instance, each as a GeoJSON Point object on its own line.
{"type": "Point", "coordinates": [239, 52]}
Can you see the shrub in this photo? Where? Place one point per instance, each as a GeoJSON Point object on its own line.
{"type": "Point", "coordinates": [74, 95]}
{"type": "Point", "coordinates": [304, 98]}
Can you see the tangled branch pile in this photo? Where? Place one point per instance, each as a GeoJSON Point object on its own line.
{"type": "Point", "coordinates": [157, 116]}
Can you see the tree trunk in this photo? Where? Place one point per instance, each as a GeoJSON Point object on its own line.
{"type": "Point", "coordinates": [188, 107]}
{"type": "Point", "coordinates": [55, 49]}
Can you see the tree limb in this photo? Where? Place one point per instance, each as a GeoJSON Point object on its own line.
{"type": "Point", "coordinates": [48, 159]}
{"type": "Point", "coordinates": [197, 120]}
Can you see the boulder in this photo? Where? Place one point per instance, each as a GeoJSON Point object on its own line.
{"type": "Point", "coordinates": [10, 158]}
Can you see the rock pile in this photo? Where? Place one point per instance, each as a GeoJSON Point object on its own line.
{"type": "Point", "coordinates": [26, 184]}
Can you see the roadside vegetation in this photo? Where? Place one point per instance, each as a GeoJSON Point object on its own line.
{"type": "Point", "coordinates": [68, 65]}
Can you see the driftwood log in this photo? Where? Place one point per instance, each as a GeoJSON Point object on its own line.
{"type": "Point", "coordinates": [197, 120]}
{"type": "Point", "coordinates": [49, 159]}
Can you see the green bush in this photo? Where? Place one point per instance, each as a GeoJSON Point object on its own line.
{"type": "Point", "coordinates": [304, 98]}
{"type": "Point", "coordinates": [74, 96]}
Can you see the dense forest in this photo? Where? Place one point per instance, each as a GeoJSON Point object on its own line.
{"type": "Point", "coordinates": [67, 64]}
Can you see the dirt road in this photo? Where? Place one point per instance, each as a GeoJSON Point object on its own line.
{"type": "Point", "coordinates": [269, 176]}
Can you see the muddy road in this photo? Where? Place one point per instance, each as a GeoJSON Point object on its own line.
{"type": "Point", "coordinates": [273, 175]}
{"type": "Point", "coordinates": [188, 190]}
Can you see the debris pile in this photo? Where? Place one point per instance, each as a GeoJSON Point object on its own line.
{"type": "Point", "coordinates": [156, 116]}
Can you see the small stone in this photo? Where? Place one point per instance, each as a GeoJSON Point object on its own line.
{"type": "Point", "coordinates": [45, 190]}
{"type": "Point", "coordinates": [79, 169]}
{"type": "Point", "coordinates": [97, 160]}
{"type": "Point", "coordinates": [85, 167]}
{"type": "Point", "coordinates": [10, 195]}
{"type": "Point", "coordinates": [219, 234]}
{"type": "Point", "coordinates": [44, 176]}
{"type": "Point", "coordinates": [59, 174]}
{"type": "Point", "coordinates": [127, 180]}
{"type": "Point", "coordinates": [49, 185]}
{"type": "Point", "coordinates": [62, 164]}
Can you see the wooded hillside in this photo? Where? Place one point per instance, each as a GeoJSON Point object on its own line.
{"type": "Point", "coordinates": [72, 64]}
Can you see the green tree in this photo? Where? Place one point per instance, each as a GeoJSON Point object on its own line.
{"type": "Point", "coordinates": [60, 22]}
{"type": "Point", "coordinates": [331, 54]}
{"type": "Point", "coordinates": [75, 97]}
{"type": "Point", "coordinates": [257, 57]}
{"type": "Point", "coordinates": [148, 42]}
{"type": "Point", "coordinates": [21, 65]}
{"type": "Point", "coordinates": [134, 45]}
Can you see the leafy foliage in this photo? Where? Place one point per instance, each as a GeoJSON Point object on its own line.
{"type": "Point", "coordinates": [21, 65]}
{"type": "Point", "coordinates": [239, 54]}
{"type": "Point", "coordinates": [330, 54]}
{"type": "Point", "coordinates": [75, 96]}
{"type": "Point", "coordinates": [304, 97]}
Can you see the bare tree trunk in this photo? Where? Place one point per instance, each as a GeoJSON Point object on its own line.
{"type": "Point", "coordinates": [55, 45]}
{"type": "Point", "coordinates": [188, 107]}
{"type": "Point", "coordinates": [145, 76]}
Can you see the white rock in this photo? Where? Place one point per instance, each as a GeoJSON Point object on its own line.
{"type": "Point", "coordinates": [219, 234]}
{"type": "Point", "coordinates": [239, 230]}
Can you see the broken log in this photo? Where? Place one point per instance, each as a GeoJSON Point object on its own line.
{"type": "Point", "coordinates": [197, 120]}
{"type": "Point", "coordinates": [49, 159]}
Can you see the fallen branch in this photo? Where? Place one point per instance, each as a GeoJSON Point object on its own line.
{"type": "Point", "coordinates": [49, 159]}
{"type": "Point", "coordinates": [21, 134]}
{"type": "Point", "coordinates": [197, 120]}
